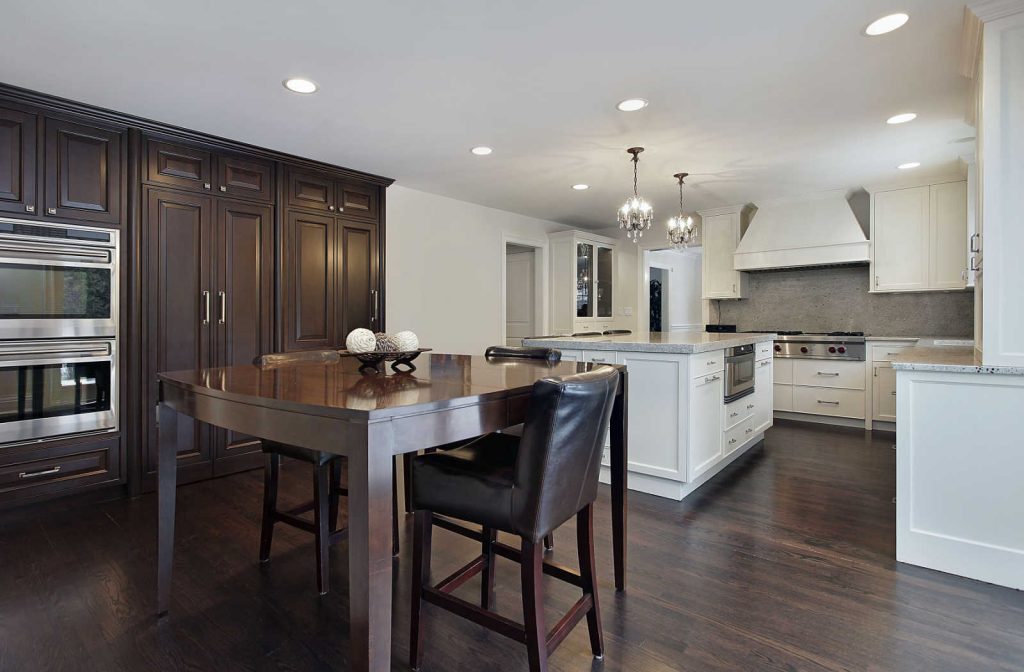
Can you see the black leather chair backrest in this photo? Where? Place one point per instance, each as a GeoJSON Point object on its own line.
{"type": "Point", "coordinates": [522, 352]}
{"type": "Point", "coordinates": [588, 333]}
{"type": "Point", "coordinates": [560, 451]}
{"type": "Point", "coordinates": [611, 332]}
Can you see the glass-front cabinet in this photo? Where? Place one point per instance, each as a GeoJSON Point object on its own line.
{"type": "Point", "coordinates": [583, 282]}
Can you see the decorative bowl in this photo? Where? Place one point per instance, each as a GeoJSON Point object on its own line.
{"type": "Point", "coordinates": [375, 359]}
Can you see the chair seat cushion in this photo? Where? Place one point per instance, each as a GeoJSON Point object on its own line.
{"type": "Point", "coordinates": [298, 453]}
{"type": "Point", "coordinates": [472, 483]}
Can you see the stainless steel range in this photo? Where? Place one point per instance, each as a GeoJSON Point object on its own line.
{"type": "Point", "coordinates": [836, 345]}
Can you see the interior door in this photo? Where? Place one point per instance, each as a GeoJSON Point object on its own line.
{"type": "Point", "coordinates": [519, 297]}
{"type": "Point", "coordinates": [358, 292]}
{"type": "Point", "coordinates": [83, 172]}
{"type": "Point", "coordinates": [308, 260]}
{"type": "Point", "coordinates": [17, 162]}
{"type": "Point", "coordinates": [181, 308]}
{"type": "Point", "coordinates": [242, 310]}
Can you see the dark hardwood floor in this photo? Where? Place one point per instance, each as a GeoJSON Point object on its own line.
{"type": "Point", "coordinates": [783, 562]}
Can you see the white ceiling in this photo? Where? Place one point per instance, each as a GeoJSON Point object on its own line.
{"type": "Point", "coordinates": [755, 99]}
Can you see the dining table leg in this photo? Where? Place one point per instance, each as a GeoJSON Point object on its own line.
{"type": "Point", "coordinates": [370, 486]}
{"type": "Point", "coordinates": [167, 481]}
{"type": "Point", "coordinates": [619, 464]}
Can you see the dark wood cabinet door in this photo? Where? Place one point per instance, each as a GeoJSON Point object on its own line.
{"type": "Point", "coordinates": [245, 178]}
{"type": "Point", "coordinates": [358, 288]}
{"type": "Point", "coordinates": [311, 191]}
{"type": "Point", "coordinates": [179, 165]}
{"type": "Point", "coordinates": [18, 162]}
{"type": "Point", "coordinates": [243, 311]}
{"type": "Point", "coordinates": [83, 172]}
{"type": "Point", "coordinates": [358, 200]}
{"type": "Point", "coordinates": [308, 274]}
{"type": "Point", "coordinates": [181, 310]}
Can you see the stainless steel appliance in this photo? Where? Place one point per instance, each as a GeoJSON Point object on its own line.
{"type": "Point", "coordinates": [835, 345]}
{"type": "Point", "coordinates": [57, 387]}
{"type": "Point", "coordinates": [57, 280]}
{"type": "Point", "coordinates": [739, 372]}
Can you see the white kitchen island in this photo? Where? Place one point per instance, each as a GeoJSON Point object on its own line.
{"type": "Point", "coordinates": [681, 432]}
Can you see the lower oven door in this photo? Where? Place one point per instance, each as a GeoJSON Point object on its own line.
{"type": "Point", "coordinates": [739, 376]}
{"type": "Point", "coordinates": [55, 388]}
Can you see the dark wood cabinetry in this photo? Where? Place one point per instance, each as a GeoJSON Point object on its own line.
{"type": "Point", "coordinates": [178, 166]}
{"type": "Point", "coordinates": [358, 287]}
{"type": "Point", "coordinates": [327, 193]}
{"type": "Point", "coordinates": [17, 162]}
{"type": "Point", "coordinates": [83, 169]}
{"type": "Point", "coordinates": [245, 178]}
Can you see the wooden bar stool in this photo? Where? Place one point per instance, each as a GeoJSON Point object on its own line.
{"type": "Point", "coordinates": [526, 487]}
{"type": "Point", "coordinates": [327, 486]}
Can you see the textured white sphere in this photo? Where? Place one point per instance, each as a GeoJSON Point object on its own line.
{"type": "Point", "coordinates": [406, 341]}
{"type": "Point", "coordinates": [361, 340]}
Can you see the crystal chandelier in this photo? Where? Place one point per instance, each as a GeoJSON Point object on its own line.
{"type": "Point", "coordinates": [681, 231]}
{"type": "Point", "coordinates": [636, 214]}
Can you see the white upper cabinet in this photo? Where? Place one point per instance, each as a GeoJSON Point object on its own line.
{"type": "Point", "coordinates": [919, 238]}
{"type": "Point", "coordinates": [720, 233]}
{"type": "Point", "coordinates": [582, 281]}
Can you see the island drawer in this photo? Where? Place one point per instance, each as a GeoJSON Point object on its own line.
{"type": "Point", "coordinates": [885, 353]}
{"type": "Point", "coordinates": [827, 401]}
{"type": "Point", "coordinates": [707, 362]}
{"type": "Point", "coordinates": [737, 436]}
{"type": "Point", "coordinates": [30, 471]}
{"type": "Point", "coordinates": [823, 373]}
{"type": "Point", "coordinates": [764, 350]}
{"type": "Point", "coordinates": [737, 411]}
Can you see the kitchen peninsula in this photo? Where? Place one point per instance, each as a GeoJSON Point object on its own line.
{"type": "Point", "coordinates": [682, 431]}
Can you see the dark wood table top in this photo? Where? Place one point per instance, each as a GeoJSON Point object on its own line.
{"type": "Point", "coordinates": [341, 390]}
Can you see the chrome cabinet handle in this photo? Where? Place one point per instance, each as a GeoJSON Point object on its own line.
{"type": "Point", "coordinates": [341, 209]}
{"type": "Point", "coordinates": [733, 415]}
{"type": "Point", "coordinates": [41, 472]}
{"type": "Point", "coordinates": [732, 441]}
{"type": "Point", "coordinates": [597, 359]}
{"type": "Point", "coordinates": [749, 406]}
{"type": "Point", "coordinates": [749, 430]}
{"type": "Point", "coordinates": [374, 299]}
{"type": "Point", "coordinates": [974, 265]}
{"type": "Point", "coordinates": [830, 403]}
{"type": "Point", "coordinates": [711, 379]}
{"type": "Point", "coordinates": [827, 373]}
{"type": "Point", "coordinates": [206, 307]}
{"type": "Point", "coordinates": [51, 211]}
{"type": "Point", "coordinates": [206, 185]}
{"type": "Point", "coordinates": [30, 208]}
{"type": "Point", "coordinates": [331, 208]}
{"type": "Point", "coordinates": [975, 237]}
{"type": "Point", "coordinates": [223, 188]}
{"type": "Point", "coordinates": [223, 307]}
{"type": "Point", "coordinates": [766, 362]}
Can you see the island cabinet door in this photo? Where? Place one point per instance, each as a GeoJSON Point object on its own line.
{"type": "Point", "coordinates": [657, 400]}
{"type": "Point", "coordinates": [704, 423]}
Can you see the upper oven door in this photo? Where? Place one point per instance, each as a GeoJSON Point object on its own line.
{"type": "Point", "coordinates": [57, 281]}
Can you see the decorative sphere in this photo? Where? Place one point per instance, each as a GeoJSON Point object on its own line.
{"type": "Point", "coordinates": [406, 341]}
{"type": "Point", "coordinates": [361, 340]}
{"type": "Point", "coordinates": [385, 343]}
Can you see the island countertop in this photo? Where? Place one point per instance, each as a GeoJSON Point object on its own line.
{"type": "Point", "coordinates": [676, 342]}
{"type": "Point", "coordinates": [948, 359]}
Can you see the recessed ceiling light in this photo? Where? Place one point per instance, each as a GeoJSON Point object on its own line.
{"type": "Point", "coordinates": [909, 165]}
{"type": "Point", "coordinates": [886, 24]}
{"type": "Point", "coordinates": [581, 187]}
{"type": "Point", "coordinates": [901, 118]}
{"type": "Point", "coordinates": [481, 150]}
{"type": "Point", "coordinates": [299, 85]}
{"type": "Point", "coordinates": [632, 104]}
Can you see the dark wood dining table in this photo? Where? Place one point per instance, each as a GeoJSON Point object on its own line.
{"type": "Point", "coordinates": [369, 418]}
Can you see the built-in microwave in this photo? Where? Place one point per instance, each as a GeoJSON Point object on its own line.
{"type": "Point", "coordinates": [57, 280]}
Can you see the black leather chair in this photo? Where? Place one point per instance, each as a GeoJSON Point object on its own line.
{"type": "Point", "coordinates": [526, 487]}
{"type": "Point", "coordinates": [327, 486]}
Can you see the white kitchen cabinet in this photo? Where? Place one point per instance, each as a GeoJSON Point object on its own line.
{"type": "Point", "coordinates": [582, 281]}
{"type": "Point", "coordinates": [919, 238]}
{"type": "Point", "coordinates": [705, 427]}
{"type": "Point", "coordinates": [883, 392]}
{"type": "Point", "coordinates": [764, 395]}
{"type": "Point", "coordinates": [658, 390]}
{"type": "Point", "coordinates": [831, 401]}
{"type": "Point", "coordinates": [721, 230]}
{"type": "Point", "coordinates": [825, 373]}
{"type": "Point", "coordinates": [782, 396]}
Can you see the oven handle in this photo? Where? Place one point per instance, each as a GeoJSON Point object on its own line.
{"type": "Point", "coordinates": [17, 251]}
{"type": "Point", "coordinates": [29, 352]}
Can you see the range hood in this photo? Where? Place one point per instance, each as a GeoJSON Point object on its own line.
{"type": "Point", "coordinates": [817, 230]}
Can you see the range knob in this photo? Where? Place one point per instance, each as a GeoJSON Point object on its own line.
{"type": "Point", "coordinates": [778, 348]}
{"type": "Point", "coordinates": [832, 349]}
{"type": "Point", "coordinates": [842, 350]}
{"type": "Point", "coordinates": [803, 349]}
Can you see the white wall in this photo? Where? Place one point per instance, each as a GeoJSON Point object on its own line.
{"type": "Point", "coordinates": [684, 287]}
{"type": "Point", "coordinates": [444, 260]}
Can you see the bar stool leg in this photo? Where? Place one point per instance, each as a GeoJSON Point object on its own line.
{"type": "Point", "coordinates": [533, 605]}
{"type": "Point", "coordinates": [271, 472]}
{"type": "Point", "coordinates": [321, 520]}
{"type": "Point", "coordinates": [422, 528]}
{"type": "Point", "coordinates": [487, 576]}
{"type": "Point", "coordinates": [549, 542]}
{"type": "Point", "coordinates": [394, 508]}
{"type": "Point", "coordinates": [588, 572]}
{"type": "Point", "coordinates": [335, 478]}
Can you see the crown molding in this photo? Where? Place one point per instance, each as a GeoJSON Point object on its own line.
{"type": "Point", "coordinates": [970, 44]}
{"type": "Point", "coordinates": [991, 10]}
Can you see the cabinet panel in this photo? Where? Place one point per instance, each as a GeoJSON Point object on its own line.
{"type": "Point", "coordinates": [948, 258]}
{"type": "Point", "coordinates": [244, 299]}
{"type": "Point", "coordinates": [782, 370]}
{"type": "Point", "coordinates": [40, 471]}
{"type": "Point", "coordinates": [358, 201]}
{"type": "Point", "coordinates": [178, 165]}
{"type": "Point", "coordinates": [309, 283]}
{"type": "Point", "coordinates": [83, 172]}
{"type": "Point", "coordinates": [658, 389]}
{"type": "Point", "coordinates": [312, 191]}
{"type": "Point", "coordinates": [884, 392]}
{"type": "Point", "coordinates": [764, 393]}
{"type": "Point", "coordinates": [357, 290]}
{"type": "Point", "coordinates": [900, 240]}
{"type": "Point", "coordinates": [823, 373]}
{"type": "Point", "coordinates": [180, 307]}
{"type": "Point", "coordinates": [782, 397]}
{"type": "Point", "coordinates": [245, 178]}
{"type": "Point", "coordinates": [705, 424]}
{"type": "Point", "coordinates": [17, 162]}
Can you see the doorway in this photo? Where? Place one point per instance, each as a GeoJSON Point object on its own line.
{"type": "Point", "coordinates": [658, 286]}
{"type": "Point", "coordinates": [523, 292]}
{"type": "Point", "coordinates": [671, 289]}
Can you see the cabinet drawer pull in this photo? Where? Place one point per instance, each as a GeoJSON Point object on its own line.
{"type": "Point", "coordinates": [766, 362]}
{"type": "Point", "coordinates": [712, 363]}
{"type": "Point", "coordinates": [733, 415]}
{"type": "Point", "coordinates": [749, 406]}
{"type": "Point", "coordinates": [732, 441]}
{"type": "Point", "coordinates": [892, 354]}
{"type": "Point", "coordinates": [827, 373]}
{"type": "Point", "coordinates": [223, 188]}
{"type": "Point", "coordinates": [974, 265]}
{"type": "Point", "coordinates": [597, 359]}
{"type": "Point", "coordinates": [51, 211]}
{"type": "Point", "coordinates": [711, 379]}
{"type": "Point", "coordinates": [41, 472]}
{"type": "Point", "coordinates": [750, 430]}
{"type": "Point", "coordinates": [30, 208]}
{"type": "Point", "coordinates": [894, 393]}
{"type": "Point", "coordinates": [975, 237]}
{"type": "Point", "coordinates": [331, 208]}
{"type": "Point", "coordinates": [206, 307]}
{"type": "Point", "coordinates": [830, 403]}
{"type": "Point", "coordinates": [206, 185]}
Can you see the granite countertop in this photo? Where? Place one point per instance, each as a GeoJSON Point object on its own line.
{"type": "Point", "coordinates": [892, 338]}
{"type": "Point", "coordinates": [948, 359]}
{"type": "Point", "coordinates": [677, 342]}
